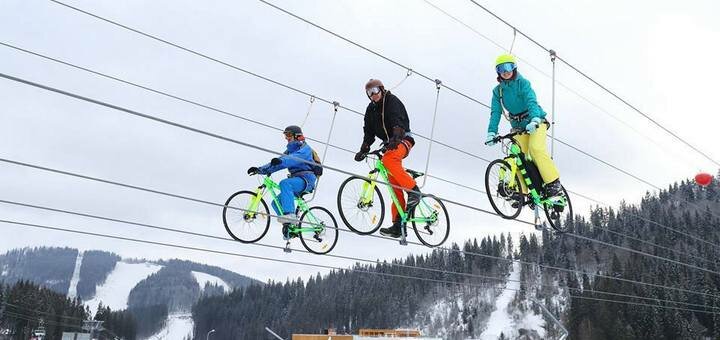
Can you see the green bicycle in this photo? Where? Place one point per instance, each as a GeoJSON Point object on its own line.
{"type": "Point", "coordinates": [504, 188]}
{"type": "Point", "coordinates": [362, 207]}
{"type": "Point", "coordinates": [316, 228]}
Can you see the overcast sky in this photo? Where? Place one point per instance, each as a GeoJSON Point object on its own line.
{"type": "Point", "coordinates": [658, 55]}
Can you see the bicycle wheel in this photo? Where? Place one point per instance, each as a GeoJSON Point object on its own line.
{"type": "Point", "coordinates": [323, 237]}
{"type": "Point", "coordinates": [560, 214]}
{"type": "Point", "coordinates": [433, 231]}
{"type": "Point", "coordinates": [245, 226]}
{"type": "Point", "coordinates": [363, 215]}
{"type": "Point", "coordinates": [504, 192]}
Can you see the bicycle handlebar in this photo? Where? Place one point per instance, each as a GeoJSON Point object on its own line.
{"type": "Point", "coordinates": [507, 136]}
{"type": "Point", "coordinates": [378, 152]}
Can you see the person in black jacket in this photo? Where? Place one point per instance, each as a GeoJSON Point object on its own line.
{"type": "Point", "coordinates": [387, 119]}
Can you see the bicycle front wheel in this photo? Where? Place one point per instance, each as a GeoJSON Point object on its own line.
{"type": "Point", "coordinates": [320, 230]}
{"type": "Point", "coordinates": [503, 191]}
{"type": "Point", "coordinates": [248, 225]}
{"type": "Point", "coordinates": [559, 213]}
{"type": "Point", "coordinates": [361, 209]}
{"type": "Point", "coordinates": [431, 221]}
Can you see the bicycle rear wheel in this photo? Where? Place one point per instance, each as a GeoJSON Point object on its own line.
{"type": "Point", "coordinates": [363, 215]}
{"type": "Point", "coordinates": [324, 234]}
{"type": "Point", "coordinates": [503, 191]}
{"type": "Point", "coordinates": [245, 226]}
{"type": "Point", "coordinates": [560, 213]}
{"type": "Point", "coordinates": [431, 221]}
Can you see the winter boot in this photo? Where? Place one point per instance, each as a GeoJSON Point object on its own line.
{"type": "Point", "coordinates": [394, 231]}
{"type": "Point", "coordinates": [553, 188]}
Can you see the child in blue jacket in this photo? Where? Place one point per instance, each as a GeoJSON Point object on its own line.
{"type": "Point", "coordinates": [302, 178]}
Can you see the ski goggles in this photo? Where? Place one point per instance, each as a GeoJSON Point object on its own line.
{"type": "Point", "coordinates": [505, 67]}
{"type": "Point", "coordinates": [372, 91]}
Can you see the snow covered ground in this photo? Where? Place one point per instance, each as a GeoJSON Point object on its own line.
{"type": "Point", "coordinates": [72, 291]}
{"type": "Point", "coordinates": [114, 292]}
{"type": "Point", "coordinates": [203, 278]}
{"type": "Point", "coordinates": [501, 320]}
{"type": "Point", "coordinates": [178, 327]}
{"type": "Point", "coordinates": [509, 321]}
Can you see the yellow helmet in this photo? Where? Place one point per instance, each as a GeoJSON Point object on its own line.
{"type": "Point", "coordinates": [505, 58]}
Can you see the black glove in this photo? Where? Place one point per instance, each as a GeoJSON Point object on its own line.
{"type": "Point", "coordinates": [275, 161]}
{"type": "Point", "coordinates": [253, 170]}
{"type": "Point", "coordinates": [360, 156]}
{"type": "Point", "coordinates": [362, 153]}
{"type": "Point", "coordinates": [396, 139]}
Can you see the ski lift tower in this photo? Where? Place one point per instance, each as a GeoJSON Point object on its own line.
{"type": "Point", "coordinates": [92, 326]}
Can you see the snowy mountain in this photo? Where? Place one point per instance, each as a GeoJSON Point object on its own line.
{"type": "Point", "coordinates": [146, 289]}
{"type": "Point", "coordinates": [114, 292]}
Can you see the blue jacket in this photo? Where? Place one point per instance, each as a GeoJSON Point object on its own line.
{"type": "Point", "coordinates": [295, 150]}
{"type": "Point", "coordinates": [518, 97]}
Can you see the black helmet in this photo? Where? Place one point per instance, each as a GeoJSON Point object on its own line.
{"type": "Point", "coordinates": [293, 130]}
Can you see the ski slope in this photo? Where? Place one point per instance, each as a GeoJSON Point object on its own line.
{"type": "Point", "coordinates": [178, 327]}
{"type": "Point", "coordinates": [72, 291]}
{"type": "Point", "coordinates": [501, 319]}
{"type": "Point", "coordinates": [114, 292]}
{"type": "Point", "coordinates": [203, 278]}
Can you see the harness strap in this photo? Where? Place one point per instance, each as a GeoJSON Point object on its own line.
{"type": "Point", "coordinates": [300, 174]}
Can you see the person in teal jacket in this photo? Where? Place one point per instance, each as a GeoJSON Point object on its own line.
{"type": "Point", "coordinates": [515, 96]}
{"type": "Point", "coordinates": [302, 176]}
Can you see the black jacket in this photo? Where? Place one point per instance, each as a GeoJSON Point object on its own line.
{"type": "Point", "coordinates": [394, 115]}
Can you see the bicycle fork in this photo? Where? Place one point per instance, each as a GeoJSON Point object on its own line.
{"type": "Point", "coordinates": [251, 210]}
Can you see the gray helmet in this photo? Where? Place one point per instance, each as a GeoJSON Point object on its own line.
{"type": "Point", "coordinates": [294, 130]}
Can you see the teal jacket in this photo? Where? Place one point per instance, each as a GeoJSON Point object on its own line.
{"type": "Point", "coordinates": [518, 97]}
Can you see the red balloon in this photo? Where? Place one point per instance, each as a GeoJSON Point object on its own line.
{"type": "Point", "coordinates": [703, 179]}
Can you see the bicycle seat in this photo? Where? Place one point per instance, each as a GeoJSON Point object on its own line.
{"type": "Point", "coordinates": [302, 194]}
{"type": "Point", "coordinates": [414, 174]}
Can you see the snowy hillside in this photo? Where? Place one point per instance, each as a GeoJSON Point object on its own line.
{"type": "Point", "coordinates": [506, 320]}
{"type": "Point", "coordinates": [114, 292]}
{"type": "Point", "coordinates": [178, 327]}
{"type": "Point", "coordinates": [72, 291]}
{"type": "Point", "coordinates": [203, 279]}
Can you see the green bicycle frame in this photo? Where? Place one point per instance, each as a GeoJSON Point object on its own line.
{"type": "Point", "coordinates": [517, 163]}
{"type": "Point", "coordinates": [273, 188]}
{"type": "Point", "coordinates": [368, 190]}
